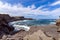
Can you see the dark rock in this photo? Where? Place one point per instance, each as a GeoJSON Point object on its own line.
{"type": "Point", "coordinates": [5, 19]}
{"type": "Point", "coordinates": [17, 18]}
{"type": "Point", "coordinates": [28, 19]}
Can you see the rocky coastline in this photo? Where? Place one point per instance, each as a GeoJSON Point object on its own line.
{"type": "Point", "coordinates": [5, 19]}
{"type": "Point", "coordinates": [48, 32]}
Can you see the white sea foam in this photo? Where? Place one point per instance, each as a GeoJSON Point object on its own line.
{"type": "Point", "coordinates": [52, 22]}
{"type": "Point", "coordinates": [18, 27]}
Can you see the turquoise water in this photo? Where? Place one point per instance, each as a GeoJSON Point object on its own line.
{"type": "Point", "coordinates": [36, 22]}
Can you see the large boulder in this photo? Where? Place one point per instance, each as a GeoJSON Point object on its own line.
{"type": "Point", "coordinates": [58, 22]}
{"type": "Point", "coordinates": [58, 25]}
{"type": "Point", "coordinates": [4, 20]}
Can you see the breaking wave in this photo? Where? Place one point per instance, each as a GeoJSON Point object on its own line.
{"type": "Point", "coordinates": [34, 22]}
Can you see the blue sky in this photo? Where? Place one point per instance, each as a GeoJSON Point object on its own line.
{"type": "Point", "coordinates": [44, 9]}
{"type": "Point", "coordinates": [26, 3]}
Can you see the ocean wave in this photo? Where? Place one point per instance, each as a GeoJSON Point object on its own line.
{"type": "Point", "coordinates": [33, 22]}
{"type": "Point", "coordinates": [52, 22]}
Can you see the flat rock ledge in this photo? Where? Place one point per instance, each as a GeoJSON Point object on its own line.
{"type": "Point", "coordinates": [35, 33]}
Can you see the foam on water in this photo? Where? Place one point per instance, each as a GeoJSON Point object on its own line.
{"type": "Point", "coordinates": [34, 22]}
{"type": "Point", "coordinates": [25, 23]}
{"type": "Point", "coordinates": [52, 22]}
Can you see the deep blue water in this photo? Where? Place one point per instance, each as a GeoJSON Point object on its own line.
{"type": "Point", "coordinates": [37, 22]}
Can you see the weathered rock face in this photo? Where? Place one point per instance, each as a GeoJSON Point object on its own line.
{"type": "Point", "coordinates": [58, 22]}
{"type": "Point", "coordinates": [58, 25]}
{"type": "Point", "coordinates": [5, 19]}
{"type": "Point", "coordinates": [39, 35]}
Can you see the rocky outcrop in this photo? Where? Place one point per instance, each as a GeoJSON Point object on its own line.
{"type": "Point", "coordinates": [5, 19]}
{"type": "Point", "coordinates": [39, 35]}
{"type": "Point", "coordinates": [21, 35]}
{"type": "Point", "coordinates": [58, 22]}
{"type": "Point", "coordinates": [58, 25]}
{"type": "Point", "coordinates": [17, 18]}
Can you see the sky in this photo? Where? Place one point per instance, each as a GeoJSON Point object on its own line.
{"type": "Point", "coordinates": [37, 9]}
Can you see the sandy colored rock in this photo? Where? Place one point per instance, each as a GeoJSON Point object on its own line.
{"type": "Point", "coordinates": [4, 37]}
{"type": "Point", "coordinates": [59, 39]}
{"type": "Point", "coordinates": [58, 22]}
{"type": "Point", "coordinates": [12, 39]}
{"type": "Point", "coordinates": [34, 30]}
{"type": "Point", "coordinates": [58, 30]}
{"type": "Point", "coordinates": [39, 35]}
{"type": "Point", "coordinates": [59, 36]}
{"type": "Point", "coordinates": [58, 25]}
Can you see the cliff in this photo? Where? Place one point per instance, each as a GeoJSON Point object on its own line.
{"type": "Point", "coordinates": [5, 19]}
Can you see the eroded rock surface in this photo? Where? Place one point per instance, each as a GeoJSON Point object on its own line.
{"type": "Point", "coordinates": [39, 35]}
{"type": "Point", "coordinates": [34, 31]}
{"type": "Point", "coordinates": [5, 19]}
{"type": "Point", "coordinates": [58, 25]}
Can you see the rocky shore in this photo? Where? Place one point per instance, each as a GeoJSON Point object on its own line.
{"type": "Point", "coordinates": [5, 19]}
{"type": "Point", "coordinates": [48, 32]}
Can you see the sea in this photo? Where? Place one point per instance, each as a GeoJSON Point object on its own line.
{"type": "Point", "coordinates": [38, 22]}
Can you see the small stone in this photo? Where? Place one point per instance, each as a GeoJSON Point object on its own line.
{"type": "Point", "coordinates": [4, 37]}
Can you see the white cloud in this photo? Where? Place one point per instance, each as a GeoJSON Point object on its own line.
{"type": "Point", "coordinates": [7, 8]}
{"type": "Point", "coordinates": [55, 3]}
{"type": "Point", "coordinates": [56, 12]}
{"type": "Point", "coordinates": [21, 10]}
